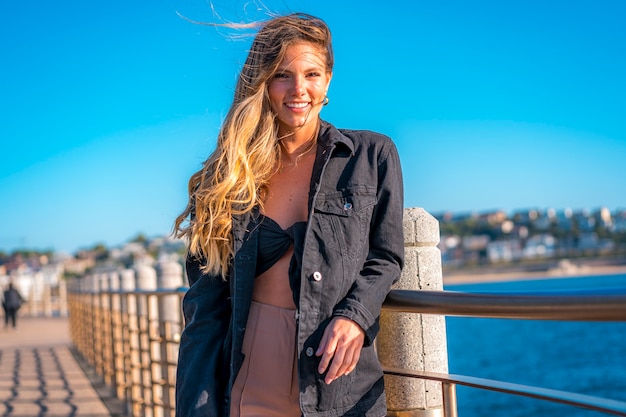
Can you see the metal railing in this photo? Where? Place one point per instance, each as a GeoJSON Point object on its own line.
{"type": "Point", "coordinates": [563, 307]}
{"type": "Point", "coordinates": [131, 339]}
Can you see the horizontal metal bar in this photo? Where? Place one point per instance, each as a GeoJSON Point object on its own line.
{"type": "Point", "coordinates": [159, 292]}
{"type": "Point", "coordinates": [564, 307]}
{"type": "Point", "coordinates": [554, 306]}
{"type": "Point", "coordinates": [579, 400]}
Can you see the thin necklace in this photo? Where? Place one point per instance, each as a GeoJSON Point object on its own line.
{"type": "Point", "coordinates": [299, 157]}
{"type": "Point", "coordinates": [311, 144]}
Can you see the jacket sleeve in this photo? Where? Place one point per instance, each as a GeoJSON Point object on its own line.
{"type": "Point", "coordinates": [202, 369]}
{"type": "Point", "coordinates": [385, 257]}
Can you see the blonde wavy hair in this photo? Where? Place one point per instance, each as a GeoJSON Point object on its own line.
{"type": "Point", "coordinates": [233, 180]}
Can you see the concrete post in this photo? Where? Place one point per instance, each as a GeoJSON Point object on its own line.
{"type": "Point", "coordinates": [91, 303]}
{"type": "Point", "coordinates": [415, 341]}
{"type": "Point", "coordinates": [46, 299]}
{"type": "Point", "coordinates": [114, 281]}
{"type": "Point", "coordinates": [117, 336]}
{"type": "Point", "coordinates": [169, 277]}
{"type": "Point", "coordinates": [132, 371]}
{"type": "Point", "coordinates": [148, 314]}
{"type": "Point", "coordinates": [104, 346]}
{"type": "Point", "coordinates": [128, 284]}
{"type": "Point", "coordinates": [146, 279]}
{"type": "Point", "coordinates": [63, 308]}
{"type": "Point", "coordinates": [35, 295]}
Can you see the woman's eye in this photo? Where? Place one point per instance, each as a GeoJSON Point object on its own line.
{"type": "Point", "coordinates": [280, 75]}
{"type": "Point", "coordinates": [314, 74]}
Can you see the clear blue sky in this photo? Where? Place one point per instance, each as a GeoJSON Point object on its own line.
{"type": "Point", "coordinates": [108, 107]}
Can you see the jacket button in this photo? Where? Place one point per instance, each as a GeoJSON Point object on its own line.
{"type": "Point", "coordinates": [309, 351]}
{"type": "Point", "coordinates": [317, 276]}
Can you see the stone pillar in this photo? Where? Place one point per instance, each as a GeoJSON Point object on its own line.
{"type": "Point", "coordinates": [115, 299]}
{"type": "Point", "coordinates": [150, 353]}
{"type": "Point", "coordinates": [117, 340]}
{"type": "Point", "coordinates": [415, 341]}
{"type": "Point", "coordinates": [46, 299]}
{"type": "Point", "coordinates": [128, 284]}
{"type": "Point", "coordinates": [86, 325]}
{"type": "Point", "coordinates": [132, 374]}
{"type": "Point", "coordinates": [169, 278]}
{"type": "Point", "coordinates": [34, 294]}
{"type": "Point", "coordinates": [104, 345]}
{"type": "Point", "coordinates": [63, 307]}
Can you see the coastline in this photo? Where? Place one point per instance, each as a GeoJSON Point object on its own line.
{"type": "Point", "coordinates": [562, 271]}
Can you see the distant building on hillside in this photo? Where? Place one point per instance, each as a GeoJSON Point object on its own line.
{"type": "Point", "coordinates": [505, 251]}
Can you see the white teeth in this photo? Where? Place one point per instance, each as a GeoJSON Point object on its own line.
{"type": "Point", "coordinates": [297, 105]}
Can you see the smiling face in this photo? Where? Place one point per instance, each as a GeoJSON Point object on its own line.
{"type": "Point", "coordinates": [297, 89]}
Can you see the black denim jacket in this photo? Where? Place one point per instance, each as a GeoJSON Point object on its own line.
{"type": "Point", "coordinates": [353, 252]}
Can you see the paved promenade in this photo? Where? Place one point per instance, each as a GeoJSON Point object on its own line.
{"type": "Point", "coordinates": [39, 376]}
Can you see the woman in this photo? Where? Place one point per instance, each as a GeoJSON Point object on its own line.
{"type": "Point", "coordinates": [295, 238]}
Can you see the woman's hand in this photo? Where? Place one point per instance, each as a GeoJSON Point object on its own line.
{"type": "Point", "coordinates": [342, 342]}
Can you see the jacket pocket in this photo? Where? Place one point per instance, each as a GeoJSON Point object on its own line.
{"type": "Point", "coordinates": [344, 218]}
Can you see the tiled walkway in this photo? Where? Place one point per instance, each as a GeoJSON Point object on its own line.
{"type": "Point", "coordinates": [39, 376]}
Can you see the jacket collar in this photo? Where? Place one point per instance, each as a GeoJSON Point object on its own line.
{"type": "Point", "coordinates": [330, 136]}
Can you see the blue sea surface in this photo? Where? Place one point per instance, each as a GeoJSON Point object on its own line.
{"type": "Point", "coordinates": [580, 357]}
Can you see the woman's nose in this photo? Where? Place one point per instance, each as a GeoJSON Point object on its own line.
{"type": "Point", "coordinates": [298, 85]}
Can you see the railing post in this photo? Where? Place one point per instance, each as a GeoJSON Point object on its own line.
{"type": "Point", "coordinates": [117, 339]}
{"type": "Point", "coordinates": [415, 341]}
{"type": "Point", "coordinates": [97, 324]}
{"type": "Point", "coordinates": [46, 299]}
{"type": "Point", "coordinates": [449, 399]}
{"type": "Point", "coordinates": [147, 311]}
{"type": "Point", "coordinates": [169, 277]}
{"type": "Point", "coordinates": [132, 354]}
{"type": "Point", "coordinates": [91, 338]}
{"type": "Point", "coordinates": [106, 356]}
{"type": "Point", "coordinates": [34, 295]}
{"type": "Point", "coordinates": [63, 307]}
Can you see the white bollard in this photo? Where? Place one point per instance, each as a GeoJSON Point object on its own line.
{"type": "Point", "coordinates": [170, 277]}
{"type": "Point", "coordinates": [415, 341]}
{"type": "Point", "coordinates": [148, 316]}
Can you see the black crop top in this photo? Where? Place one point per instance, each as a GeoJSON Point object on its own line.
{"type": "Point", "coordinates": [274, 242]}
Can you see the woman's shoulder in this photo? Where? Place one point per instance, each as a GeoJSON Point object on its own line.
{"type": "Point", "coordinates": [363, 137]}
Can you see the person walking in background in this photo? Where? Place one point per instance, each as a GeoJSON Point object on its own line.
{"type": "Point", "coordinates": [11, 303]}
{"type": "Point", "coordinates": [295, 238]}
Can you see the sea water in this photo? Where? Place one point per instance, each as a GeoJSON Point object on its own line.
{"type": "Point", "coordinates": [580, 357]}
